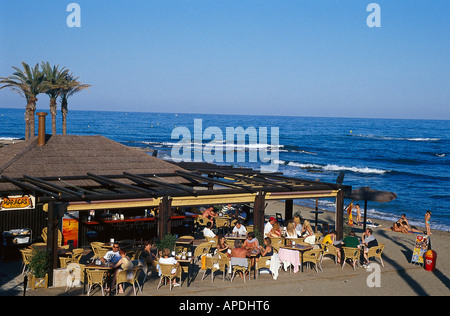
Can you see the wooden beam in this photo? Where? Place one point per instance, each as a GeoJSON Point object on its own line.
{"type": "Point", "coordinates": [339, 217]}
{"type": "Point", "coordinates": [215, 181]}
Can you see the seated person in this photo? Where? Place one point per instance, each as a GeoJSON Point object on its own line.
{"type": "Point", "coordinates": [238, 251]}
{"type": "Point", "coordinates": [330, 238]}
{"type": "Point", "coordinates": [275, 231]}
{"type": "Point", "coordinates": [207, 232]}
{"type": "Point", "coordinates": [113, 255]}
{"type": "Point", "coordinates": [123, 264]}
{"type": "Point", "coordinates": [239, 229]}
{"type": "Point", "coordinates": [291, 232]}
{"type": "Point", "coordinates": [167, 259]}
{"type": "Point", "coordinates": [306, 229]}
{"type": "Point", "coordinates": [251, 242]}
{"type": "Point", "coordinates": [209, 214]}
{"type": "Point", "coordinates": [369, 241]}
{"type": "Point", "coordinates": [222, 245]}
{"type": "Point", "coordinates": [350, 241]}
{"type": "Point", "coordinates": [267, 249]}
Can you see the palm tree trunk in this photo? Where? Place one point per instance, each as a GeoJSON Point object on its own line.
{"type": "Point", "coordinates": [53, 113]}
{"type": "Point", "coordinates": [27, 123]}
{"type": "Point", "coordinates": [64, 115]}
{"type": "Point", "coordinates": [32, 115]}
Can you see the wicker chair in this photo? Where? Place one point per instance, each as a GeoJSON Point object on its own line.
{"type": "Point", "coordinates": [261, 263]}
{"type": "Point", "coordinates": [375, 252]}
{"type": "Point", "coordinates": [60, 237]}
{"type": "Point", "coordinates": [202, 249]}
{"type": "Point", "coordinates": [313, 256]}
{"type": "Point", "coordinates": [95, 277]}
{"type": "Point", "coordinates": [26, 257]}
{"type": "Point", "coordinates": [329, 250]}
{"type": "Point", "coordinates": [131, 277]}
{"type": "Point", "coordinates": [169, 272]}
{"type": "Point", "coordinates": [277, 242]}
{"type": "Point", "coordinates": [240, 264]}
{"type": "Point", "coordinates": [350, 254]}
{"type": "Point", "coordinates": [219, 263]}
{"type": "Point", "coordinates": [99, 251]}
{"type": "Point", "coordinates": [223, 224]}
{"type": "Point", "coordinates": [212, 240]}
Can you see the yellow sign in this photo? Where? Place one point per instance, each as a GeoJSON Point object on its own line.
{"type": "Point", "coordinates": [16, 202]}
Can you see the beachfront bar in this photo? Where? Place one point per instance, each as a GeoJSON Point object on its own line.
{"type": "Point", "coordinates": [89, 187]}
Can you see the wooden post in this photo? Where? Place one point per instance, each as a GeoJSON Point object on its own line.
{"type": "Point", "coordinates": [288, 209]}
{"type": "Point", "coordinates": [258, 211]}
{"type": "Point", "coordinates": [340, 215]}
{"type": "Point", "coordinates": [164, 224]}
{"type": "Point", "coordinates": [55, 213]}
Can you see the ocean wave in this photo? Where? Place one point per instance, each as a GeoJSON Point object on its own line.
{"type": "Point", "coordinates": [331, 167]}
{"type": "Point", "coordinates": [412, 139]}
{"type": "Point", "coordinates": [10, 138]}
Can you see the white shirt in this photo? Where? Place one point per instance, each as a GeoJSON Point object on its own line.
{"type": "Point", "coordinates": [240, 231]}
{"type": "Point", "coordinates": [112, 256]}
{"type": "Point", "coordinates": [267, 228]}
{"type": "Point", "coordinates": [208, 232]}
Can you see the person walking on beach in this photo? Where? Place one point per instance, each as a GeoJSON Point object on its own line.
{"type": "Point", "coordinates": [427, 222]}
{"type": "Point", "coordinates": [358, 214]}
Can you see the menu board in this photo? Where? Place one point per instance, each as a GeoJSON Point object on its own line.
{"type": "Point", "coordinates": [420, 248]}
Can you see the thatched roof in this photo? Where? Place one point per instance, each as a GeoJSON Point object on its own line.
{"type": "Point", "coordinates": [72, 155]}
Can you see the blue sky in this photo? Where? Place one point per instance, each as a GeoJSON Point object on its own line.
{"type": "Point", "coordinates": [278, 57]}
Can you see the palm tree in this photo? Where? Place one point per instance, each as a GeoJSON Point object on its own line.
{"type": "Point", "coordinates": [55, 81]}
{"type": "Point", "coordinates": [28, 83]}
{"type": "Point", "coordinates": [72, 86]}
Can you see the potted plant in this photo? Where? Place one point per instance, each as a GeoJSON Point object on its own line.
{"type": "Point", "coordinates": [39, 265]}
{"type": "Point", "coordinates": [168, 241]}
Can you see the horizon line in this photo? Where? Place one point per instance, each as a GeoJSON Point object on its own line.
{"type": "Point", "coordinates": [229, 114]}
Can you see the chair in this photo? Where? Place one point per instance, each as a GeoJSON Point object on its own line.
{"type": "Point", "coordinates": [134, 253]}
{"type": "Point", "coordinates": [277, 242]}
{"type": "Point", "coordinates": [131, 277]}
{"type": "Point", "coordinates": [350, 254]}
{"type": "Point", "coordinates": [331, 250]}
{"type": "Point", "coordinates": [263, 263]}
{"type": "Point", "coordinates": [45, 237]}
{"type": "Point", "coordinates": [240, 264]}
{"type": "Point", "coordinates": [219, 263]}
{"type": "Point", "coordinates": [99, 251]}
{"type": "Point", "coordinates": [222, 223]}
{"type": "Point", "coordinates": [313, 256]}
{"type": "Point", "coordinates": [95, 277]}
{"type": "Point", "coordinates": [26, 257]}
{"type": "Point", "coordinates": [77, 253]}
{"type": "Point", "coordinates": [201, 249]}
{"type": "Point", "coordinates": [375, 252]}
{"type": "Point", "coordinates": [212, 240]}
{"type": "Point", "coordinates": [250, 228]}
{"type": "Point", "coordinates": [170, 272]}
{"type": "Point", "coordinates": [74, 275]}
{"type": "Point", "coordinates": [200, 222]}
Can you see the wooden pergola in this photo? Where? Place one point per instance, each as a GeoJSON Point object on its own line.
{"type": "Point", "coordinates": [206, 184]}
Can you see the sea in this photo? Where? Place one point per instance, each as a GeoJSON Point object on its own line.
{"type": "Point", "coordinates": [408, 157]}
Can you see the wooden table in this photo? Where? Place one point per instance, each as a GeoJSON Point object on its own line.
{"type": "Point", "coordinates": [189, 242]}
{"type": "Point", "coordinates": [93, 266]}
{"type": "Point", "coordinates": [301, 248]}
{"type": "Point", "coordinates": [186, 267]}
{"type": "Point", "coordinates": [235, 237]}
{"type": "Point", "coordinates": [252, 254]}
